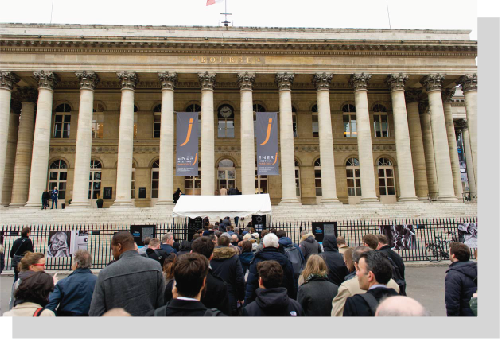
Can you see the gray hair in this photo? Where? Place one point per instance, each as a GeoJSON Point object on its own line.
{"type": "Point", "coordinates": [83, 259]}
{"type": "Point", "coordinates": [358, 252]}
{"type": "Point", "coordinates": [400, 306]}
{"type": "Point", "coordinates": [166, 237]}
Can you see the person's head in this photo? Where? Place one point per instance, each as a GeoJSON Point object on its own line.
{"type": "Point", "coordinates": [459, 252]}
{"type": "Point", "coordinates": [33, 261]}
{"type": "Point", "coordinates": [382, 241]}
{"type": "Point", "coordinates": [340, 241]}
{"type": "Point", "coordinates": [370, 241]}
{"type": "Point", "coordinates": [270, 274]}
{"type": "Point", "coordinates": [357, 253]}
{"type": "Point", "coordinates": [203, 246]}
{"type": "Point", "coordinates": [213, 238]}
{"type": "Point", "coordinates": [167, 239]}
{"type": "Point", "coordinates": [400, 306]}
{"type": "Point", "coordinates": [264, 233]}
{"type": "Point", "coordinates": [196, 236]}
{"type": "Point", "coordinates": [169, 264]}
{"type": "Point", "coordinates": [229, 229]}
{"type": "Point", "coordinates": [223, 241]}
{"type": "Point", "coordinates": [347, 257]}
{"type": "Point", "coordinates": [25, 232]}
{"type": "Point", "coordinates": [82, 259]}
{"type": "Point", "coordinates": [190, 271]}
{"type": "Point", "coordinates": [122, 242]}
{"type": "Point", "coordinates": [35, 288]}
{"type": "Point", "coordinates": [316, 266]}
{"type": "Point", "coordinates": [146, 241]}
{"type": "Point", "coordinates": [154, 243]}
{"type": "Point", "coordinates": [247, 237]}
{"type": "Point", "coordinates": [247, 246]}
{"type": "Point", "coordinates": [373, 269]}
{"type": "Point", "coordinates": [55, 188]}
{"type": "Point", "coordinates": [270, 240]}
{"type": "Point", "coordinates": [281, 233]}
{"type": "Point", "coordinates": [117, 312]}
{"type": "Point", "coordinates": [234, 238]}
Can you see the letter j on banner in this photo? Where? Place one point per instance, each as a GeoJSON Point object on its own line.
{"type": "Point", "coordinates": [187, 143]}
{"type": "Point", "coordinates": [267, 143]}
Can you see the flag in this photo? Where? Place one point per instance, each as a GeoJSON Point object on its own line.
{"type": "Point", "coordinates": [212, 2]}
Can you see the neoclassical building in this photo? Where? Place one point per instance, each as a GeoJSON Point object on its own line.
{"type": "Point", "coordinates": [364, 115]}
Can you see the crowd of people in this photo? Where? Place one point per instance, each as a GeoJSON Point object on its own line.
{"type": "Point", "coordinates": [224, 271]}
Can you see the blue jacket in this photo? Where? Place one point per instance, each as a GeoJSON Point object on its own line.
{"type": "Point", "coordinates": [460, 285]}
{"type": "Point", "coordinates": [73, 294]}
{"type": "Point", "coordinates": [168, 248]}
{"type": "Point", "coordinates": [246, 259]}
{"type": "Point", "coordinates": [287, 242]}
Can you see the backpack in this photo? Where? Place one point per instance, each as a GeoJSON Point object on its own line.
{"type": "Point", "coordinates": [370, 300]}
{"type": "Point", "coordinates": [295, 258]}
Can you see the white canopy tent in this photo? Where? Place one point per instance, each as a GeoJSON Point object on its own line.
{"type": "Point", "coordinates": [222, 206]}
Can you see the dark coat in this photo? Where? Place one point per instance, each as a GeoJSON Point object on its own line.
{"type": "Point", "coordinates": [357, 306]}
{"type": "Point", "coordinates": [460, 284]}
{"type": "Point", "coordinates": [273, 302]}
{"type": "Point", "coordinates": [267, 254]}
{"type": "Point", "coordinates": [309, 246]}
{"type": "Point", "coordinates": [73, 294]}
{"type": "Point", "coordinates": [160, 256]}
{"type": "Point", "coordinates": [168, 248]}
{"type": "Point", "coordinates": [316, 295]}
{"type": "Point", "coordinates": [215, 294]}
{"type": "Point", "coordinates": [184, 308]}
{"type": "Point", "coordinates": [398, 260]}
{"type": "Point", "coordinates": [226, 263]}
{"type": "Point", "coordinates": [334, 260]}
{"type": "Point", "coordinates": [246, 259]}
{"type": "Point", "coordinates": [168, 295]}
{"type": "Point", "coordinates": [21, 246]}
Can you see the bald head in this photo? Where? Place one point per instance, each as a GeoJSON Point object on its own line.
{"type": "Point", "coordinates": [400, 306]}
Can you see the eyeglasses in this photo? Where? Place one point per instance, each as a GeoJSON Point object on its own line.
{"type": "Point", "coordinates": [39, 264]}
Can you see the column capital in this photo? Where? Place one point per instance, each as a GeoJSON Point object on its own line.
{"type": "Point", "coordinates": [246, 80]}
{"type": "Point", "coordinates": [359, 82]}
{"type": "Point", "coordinates": [447, 94]}
{"type": "Point", "coordinates": [396, 81]}
{"type": "Point", "coordinates": [128, 79]}
{"type": "Point", "coordinates": [46, 79]}
{"type": "Point", "coordinates": [168, 80]}
{"type": "Point", "coordinates": [469, 82]}
{"type": "Point", "coordinates": [27, 94]}
{"type": "Point", "coordinates": [322, 80]}
{"type": "Point", "coordinates": [15, 105]}
{"type": "Point", "coordinates": [284, 81]}
{"type": "Point", "coordinates": [8, 80]}
{"type": "Point", "coordinates": [432, 82]}
{"type": "Point", "coordinates": [413, 94]}
{"type": "Point", "coordinates": [88, 79]}
{"type": "Point", "coordinates": [207, 81]}
{"type": "Point", "coordinates": [460, 124]}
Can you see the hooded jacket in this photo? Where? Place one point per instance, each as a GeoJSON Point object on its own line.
{"type": "Point", "coordinates": [286, 242]}
{"type": "Point", "coordinates": [273, 302]}
{"type": "Point", "coordinates": [398, 260]}
{"type": "Point", "coordinates": [246, 260]}
{"type": "Point", "coordinates": [309, 246]}
{"type": "Point", "coordinates": [334, 260]}
{"type": "Point", "coordinates": [315, 296]}
{"type": "Point", "coordinates": [460, 284]}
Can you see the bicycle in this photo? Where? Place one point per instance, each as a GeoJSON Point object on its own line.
{"type": "Point", "coordinates": [438, 251]}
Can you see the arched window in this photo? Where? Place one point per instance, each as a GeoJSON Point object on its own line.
{"type": "Point", "coordinates": [353, 177]}
{"type": "Point", "coordinates": [62, 120]}
{"type": "Point", "coordinates": [315, 129]}
{"type": "Point", "coordinates": [225, 117]}
{"type": "Point", "coordinates": [297, 178]}
{"type": "Point", "coordinates": [155, 180]}
{"type": "Point", "coordinates": [133, 190]}
{"type": "Point", "coordinates": [94, 180]}
{"type": "Point", "coordinates": [294, 121]}
{"type": "Point", "coordinates": [349, 121]}
{"type": "Point", "coordinates": [259, 108]}
{"type": "Point", "coordinates": [318, 177]}
{"type": "Point", "coordinates": [380, 120]}
{"type": "Point", "coordinates": [226, 174]}
{"type": "Point", "coordinates": [156, 130]}
{"type": "Point", "coordinates": [196, 108]}
{"type": "Point", "coordinates": [193, 183]}
{"type": "Point", "coordinates": [58, 177]}
{"type": "Point", "coordinates": [386, 182]}
{"type": "Point", "coordinates": [98, 120]}
{"type": "Point", "coordinates": [135, 126]}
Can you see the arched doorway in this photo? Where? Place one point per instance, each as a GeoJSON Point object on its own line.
{"type": "Point", "coordinates": [226, 175]}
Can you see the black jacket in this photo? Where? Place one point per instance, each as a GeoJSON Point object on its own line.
{"type": "Point", "coordinates": [357, 306]}
{"type": "Point", "coordinates": [387, 249]}
{"type": "Point", "coordinates": [316, 295]}
{"type": "Point", "coordinates": [20, 246]}
{"type": "Point", "coordinates": [270, 253]}
{"type": "Point", "coordinates": [460, 284]}
{"type": "Point", "coordinates": [215, 294]}
{"type": "Point", "coordinates": [309, 246]}
{"type": "Point", "coordinates": [334, 260]}
{"type": "Point", "coordinates": [158, 255]}
{"type": "Point", "coordinates": [184, 308]}
{"type": "Point", "coordinates": [226, 264]}
{"type": "Point", "coordinates": [273, 302]}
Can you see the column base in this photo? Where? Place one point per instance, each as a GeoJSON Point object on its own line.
{"type": "Point", "coordinates": [123, 203]}
{"type": "Point", "coordinates": [330, 201]}
{"type": "Point", "coordinates": [79, 204]}
{"type": "Point", "coordinates": [407, 199]}
{"type": "Point", "coordinates": [369, 200]}
{"type": "Point", "coordinates": [34, 205]}
{"type": "Point", "coordinates": [17, 205]}
{"type": "Point", "coordinates": [289, 202]}
{"type": "Point", "coordinates": [165, 203]}
{"type": "Point", "coordinates": [447, 199]}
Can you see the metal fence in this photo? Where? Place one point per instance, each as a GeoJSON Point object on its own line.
{"type": "Point", "coordinates": [430, 240]}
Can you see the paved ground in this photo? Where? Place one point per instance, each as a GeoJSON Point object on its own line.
{"type": "Point", "coordinates": [425, 284]}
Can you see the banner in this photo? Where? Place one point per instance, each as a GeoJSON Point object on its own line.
{"type": "Point", "coordinates": [79, 241]}
{"type": "Point", "coordinates": [468, 234]}
{"type": "Point", "coordinates": [187, 144]}
{"type": "Point", "coordinates": [266, 132]}
{"type": "Point", "coordinates": [400, 237]}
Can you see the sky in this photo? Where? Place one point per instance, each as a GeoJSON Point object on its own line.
{"type": "Point", "coordinates": [425, 14]}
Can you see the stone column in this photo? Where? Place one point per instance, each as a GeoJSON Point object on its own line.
{"type": "Point", "coordinates": [321, 82]}
{"type": "Point", "coordinates": [88, 81]}
{"type": "Point", "coordinates": [428, 145]}
{"type": "Point", "coordinates": [165, 194]}
{"type": "Point", "coordinates": [15, 110]}
{"type": "Point", "coordinates": [22, 163]}
{"type": "Point", "coordinates": [402, 138]}
{"type": "Point", "coordinates": [447, 95]}
{"type": "Point", "coordinates": [432, 84]}
{"type": "Point", "coordinates": [284, 82]}
{"type": "Point", "coordinates": [470, 89]}
{"type": "Point", "coordinates": [7, 82]}
{"type": "Point", "coordinates": [473, 191]}
{"type": "Point", "coordinates": [47, 80]}
{"type": "Point", "coordinates": [129, 81]}
{"type": "Point", "coordinates": [416, 144]}
{"type": "Point", "coordinates": [246, 81]}
{"type": "Point", "coordinates": [207, 82]}
{"type": "Point", "coordinates": [359, 83]}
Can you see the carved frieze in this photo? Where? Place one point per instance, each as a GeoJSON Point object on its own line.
{"type": "Point", "coordinates": [27, 94]}
{"type": "Point", "coordinates": [433, 82]}
{"type": "Point", "coordinates": [359, 82]}
{"type": "Point", "coordinates": [168, 80]}
{"type": "Point", "coordinates": [284, 81]}
{"type": "Point", "coordinates": [322, 80]}
{"type": "Point", "coordinates": [8, 80]}
{"type": "Point", "coordinates": [46, 79]}
{"type": "Point", "coordinates": [246, 80]}
{"type": "Point", "coordinates": [207, 81]}
{"type": "Point", "coordinates": [87, 79]}
{"type": "Point", "coordinates": [469, 82]}
{"type": "Point", "coordinates": [128, 80]}
{"type": "Point", "coordinates": [396, 81]}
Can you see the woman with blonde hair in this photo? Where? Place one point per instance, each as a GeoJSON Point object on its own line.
{"type": "Point", "coordinates": [316, 293]}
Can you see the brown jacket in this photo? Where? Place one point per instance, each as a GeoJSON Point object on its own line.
{"type": "Point", "coordinates": [27, 310]}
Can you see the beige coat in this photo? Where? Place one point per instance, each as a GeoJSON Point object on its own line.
{"type": "Point", "coordinates": [27, 310]}
{"type": "Point", "coordinates": [342, 249]}
{"type": "Point", "coordinates": [348, 289]}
